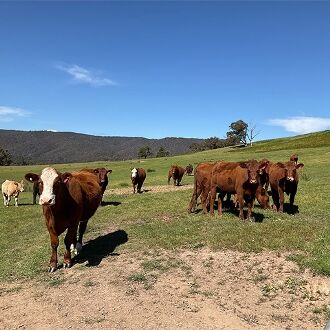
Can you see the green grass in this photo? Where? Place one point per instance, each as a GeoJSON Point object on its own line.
{"type": "Point", "coordinates": [155, 221]}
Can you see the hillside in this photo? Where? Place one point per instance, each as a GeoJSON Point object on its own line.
{"type": "Point", "coordinates": [42, 147]}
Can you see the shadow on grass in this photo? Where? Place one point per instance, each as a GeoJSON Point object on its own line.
{"type": "Point", "coordinates": [95, 250]}
{"type": "Point", "coordinates": [110, 203]}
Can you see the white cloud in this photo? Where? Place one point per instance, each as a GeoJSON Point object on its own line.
{"type": "Point", "coordinates": [82, 75]}
{"type": "Point", "coordinates": [9, 113]}
{"type": "Point", "coordinates": [302, 125]}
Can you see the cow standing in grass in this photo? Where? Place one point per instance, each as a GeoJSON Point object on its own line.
{"type": "Point", "coordinates": [138, 175]}
{"type": "Point", "coordinates": [189, 169]}
{"type": "Point", "coordinates": [68, 201]}
{"type": "Point", "coordinates": [35, 188]}
{"type": "Point", "coordinates": [11, 189]}
{"type": "Point", "coordinates": [240, 178]}
{"type": "Point", "coordinates": [176, 173]}
{"type": "Point", "coordinates": [283, 178]}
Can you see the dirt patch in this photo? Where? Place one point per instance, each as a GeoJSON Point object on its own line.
{"type": "Point", "coordinates": [198, 289]}
{"type": "Point", "coordinates": [152, 189]}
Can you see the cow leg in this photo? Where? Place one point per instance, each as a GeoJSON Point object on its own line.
{"type": "Point", "coordinates": [4, 199]}
{"type": "Point", "coordinates": [212, 199]}
{"type": "Point", "coordinates": [275, 198]}
{"type": "Point", "coordinates": [34, 197]}
{"type": "Point", "coordinates": [82, 229]}
{"type": "Point", "coordinates": [8, 200]}
{"type": "Point", "coordinates": [16, 201]}
{"type": "Point", "coordinates": [250, 205]}
{"type": "Point", "coordinates": [281, 193]}
{"type": "Point", "coordinates": [54, 245]}
{"type": "Point", "coordinates": [70, 241]}
{"type": "Point", "coordinates": [139, 188]}
{"type": "Point", "coordinates": [241, 205]}
{"type": "Point", "coordinates": [193, 201]}
{"type": "Point", "coordinates": [220, 200]}
{"type": "Point", "coordinates": [133, 188]}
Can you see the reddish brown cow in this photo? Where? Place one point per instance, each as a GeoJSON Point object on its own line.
{"type": "Point", "coordinates": [283, 178]}
{"type": "Point", "coordinates": [240, 178]}
{"type": "Point", "coordinates": [138, 175]}
{"type": "Point", "coordinates": [35, 188]}
{"type": "Point", "coordinates": [189, 169]}
{"type": "Point", "coordinates": [68, 201]}
{"type": "Point", "coordinates": [202, 183]}
{"type": "Point", "coordinates": [176, 173]}
{"type": "Point", "coordinates": [102, 176]}
{"type": "Point", "coordinates": [294, 158]}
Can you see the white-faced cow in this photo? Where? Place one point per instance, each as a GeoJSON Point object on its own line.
{"type": "Point", "coordinates": [68, 201]}
{"type": "Point", "coordinates": [11, 189]}
{"type": "Point", "coordinates": [138, 175]}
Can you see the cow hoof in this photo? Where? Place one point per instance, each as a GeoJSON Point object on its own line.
{"type": "Point", "coordinates": [67, 264]}
{"type": "Point", "coordinates": [51, 269]}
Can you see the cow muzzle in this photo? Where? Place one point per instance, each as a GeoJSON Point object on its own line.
{"type": "Point", "coordinates": [47, 200]}
{"type": "Point", "coordinates": [253, 181]}
{"type": "Point", "coordinates": [290, 178]}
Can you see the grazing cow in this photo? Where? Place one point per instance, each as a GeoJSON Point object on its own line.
{"type": "Point", "coordinates": [102, 176]}
{"type": "Point", "coordinates": [35, 188]}
{"type": "Point", "coordinates": [68, 201]}
{"type": "Point", "coordinates": [189, 169]}
{"type": "Point", "coordinates": [176, 173]}
{"type": "Point", "coordinates": [138, 175]}
{"type": "Point", "coordinates": [240, 178]}
{"type": "Point", "coordinates": [283, 178]}
{"type": "Point", "coordinates": [11, 189]}
{"type": "Point", "coordinates": [294, 158]}
{"type": "Point", "coordinates": [202, 183]}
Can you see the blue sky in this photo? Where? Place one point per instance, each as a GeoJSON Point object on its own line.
{"type": "Point", "coordinates": [157, 69]}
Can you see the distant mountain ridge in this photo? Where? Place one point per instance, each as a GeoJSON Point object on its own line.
{"type": "Point", "coordinates": [45, 147]}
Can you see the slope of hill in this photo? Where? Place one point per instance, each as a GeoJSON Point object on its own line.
{"type": "Point", "coordinates": [41, 147]}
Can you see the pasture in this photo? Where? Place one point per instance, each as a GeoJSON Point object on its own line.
{"type": "Point", "coordinates": [157, 223]}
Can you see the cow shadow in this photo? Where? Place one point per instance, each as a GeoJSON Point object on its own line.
{"type": "Point", "coordinates": [110, 203]}
{"type": "Point", "coordinates": [287, 209]}
{"type": "Point", "coordinates": [96, 249]}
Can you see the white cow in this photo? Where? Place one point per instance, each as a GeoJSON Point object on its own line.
{"type": "Point", "coordinates": [11, 189]}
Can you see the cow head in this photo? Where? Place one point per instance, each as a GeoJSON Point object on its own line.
{"type": "Point", "coordinates": [134, 173]}
{"type": "Point", "coordinates": [49, 183]}
{"type": "Point", "coordinates": [21, 186]}
{"type": "Point", "coordinates": [294, 158]}
{"type": "Point", "coordinates": [253, 167]}
{"type": "Point", "coordinates": [291, 170]}
{"type": "Point", "coordinates": [102, 174]}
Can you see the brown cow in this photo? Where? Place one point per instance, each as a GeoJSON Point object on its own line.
{"type": "Point", "coordinates": [283, 178]}
{"type": "Point", "coordinates": [176, 173]}
{"type": "Point", "coordinates": [102, 176]}
{"type": "Point", "coordinates": [189, 169]}
{"type": "Point", "coordinates": [240, 178]}
{"type": "Point", "coordinates": [294, 158]}
{"type": "Point", "coordinates": [68, 200]}
{"type": "Point", "coordinates": [35, 188]}
{"type": "Point", "coordinates": [202, 183]}
{"type": "Point", "coordinates": [138, 175]}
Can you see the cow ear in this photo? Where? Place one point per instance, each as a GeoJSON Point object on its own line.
{"type": "Point", "coordinates": [263, 165]}
{"type": "Point", "coordinates": [96, 171]}
{"type": "Point", "coordinates": [31, 177]}
{"type": "Point", "coordinates": [300, 165]}
{"type": "Point", "coordinates": [65, 177]}
{"type": "Point", "coordinates": [281, 165]}
{"type": "Point", "coordinates": [243, 165]}
{"type": "Point", "coordinates": [109, 171]}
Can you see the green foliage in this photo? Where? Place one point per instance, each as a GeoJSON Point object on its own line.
{"type": "Point", "coordinates": [144, 152]}
{"type": "Point", "coordinates": [5, 157]}
{"type": "Point", "coordinates": [238, 131]}
{"type": "Point", "coordinates": [162, 153]}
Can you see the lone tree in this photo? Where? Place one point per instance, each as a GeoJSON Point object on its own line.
{"type": "Point", "coordinates": [238, 132]}
{"type": "Point", "coordinates": [251, 134]}
{"type": "Point", "coordinates": [162, 152]}
{"type": "Point", "coordinates": [5, 157]}
{"type": "Point", "coordinates": [144, 152]}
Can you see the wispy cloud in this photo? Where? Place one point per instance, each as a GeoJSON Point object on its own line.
{"type": "Point", "coordinates": [83, 75]}
{"type": "Point", "coordinates": [302, 125]}
{"type": "Point", "coordinates": [9, 113]}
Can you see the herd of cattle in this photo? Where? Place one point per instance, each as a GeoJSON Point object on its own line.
{"type": "Point", "coordinates": [69, 200]}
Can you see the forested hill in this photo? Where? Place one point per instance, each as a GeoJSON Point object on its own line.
{"type": "Point", "coordinates": [43, 147]}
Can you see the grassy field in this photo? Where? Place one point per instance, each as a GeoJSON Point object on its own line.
{"type": "Point", "coordinates": [159, 220]}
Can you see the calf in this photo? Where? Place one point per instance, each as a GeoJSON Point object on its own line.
{"type": "Point", "coordinates": [240, 178]}
{"type": "Point", "coordinates": [68, 201]}
{"type": "Point", "coordinates": [283, 178]}
{"type": "Point", "coordinates": [176, 173]}
{"type": "Point", "coordinates": [11, 189]}
{"type": "Point", "coordinates": [138, 175]}
{"type": "Point", "coordinates": [294, 158]}
{"type": "Point", "coordinates": [35, 188]}
{"type": "Point", "coordinates": [202, 182]}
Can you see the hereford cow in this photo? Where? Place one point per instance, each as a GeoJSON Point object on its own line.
{"type": "Point", "coordinates": [102, 176]}
{"type": "Point", "coordinates": [138, 175]}
{"type": "Point", "coordinates": [202, 182]}
{"type": "Point", "coordinates": [68, 201]}
{"type": "Point", "coordinates": [35, 188]}
{"type": "Point", "coordinates": [283, 178]}
{"type": "Point", "coordinates": [240, 178]}
{"type": "Point", "coordinates": [11, 189]}
{"type": "Point", "coordinates": [189, 169]}
{"type": "Point", "coordinates": [176, 173]}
